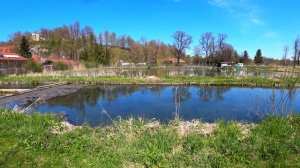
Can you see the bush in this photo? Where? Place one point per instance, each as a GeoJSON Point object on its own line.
{"type": "Point", "coordinates": [90, 65]}
{"type": "Point", "coordinates": [60, 66]}
{"type": "Point", "coordinates": [32, 66]}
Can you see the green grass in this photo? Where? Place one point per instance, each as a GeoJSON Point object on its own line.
{"type": "Point", "coordinates": [218, 80]}
{"type": "Point", "coordinates": [41, 141]}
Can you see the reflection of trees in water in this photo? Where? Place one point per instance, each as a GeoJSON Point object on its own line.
{"type": "Point", "coordinates": [181, 93]}
{"type": "Point", "coordinates": [277, 102]}
{"type": "Point", "coordinates": [208, 93]}
{"type": "Point", "coordinates": [91, 95]}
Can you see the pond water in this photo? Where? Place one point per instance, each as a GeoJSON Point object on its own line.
{"type": "Point", "coordinates": [99, 105]}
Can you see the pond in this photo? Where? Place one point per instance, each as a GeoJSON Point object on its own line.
{"type": "Point", "coordinates": [99, 105]}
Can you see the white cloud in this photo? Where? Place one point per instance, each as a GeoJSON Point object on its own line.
{"type": "Point", "coordinates": [241, 10]}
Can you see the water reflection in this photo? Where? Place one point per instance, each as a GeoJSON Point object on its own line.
{"type": "Point", "coordinates": [164, 103]}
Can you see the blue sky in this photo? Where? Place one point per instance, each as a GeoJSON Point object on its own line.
{"type": "Point", "coordinates": [249, 24]}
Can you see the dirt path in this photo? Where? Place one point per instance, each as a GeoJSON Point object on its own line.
{"type": "Point", "coordinates": [44, 93]}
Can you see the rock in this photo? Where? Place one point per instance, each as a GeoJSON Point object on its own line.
{"type": "Point", "coordinates": [152, 78]}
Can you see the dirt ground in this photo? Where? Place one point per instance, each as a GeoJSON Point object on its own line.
{"type": "Point", "coordinates": [22, 100]}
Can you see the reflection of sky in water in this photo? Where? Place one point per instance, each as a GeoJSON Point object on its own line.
{"type": "Point", "coordinates": [205, 103]}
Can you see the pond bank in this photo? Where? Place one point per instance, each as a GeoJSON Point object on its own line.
{"type": "Point", "coordinates": [188, 81]}
{"type": "Point", "coordinates": [43, 93]}
{"type": "Point", "coordinates": [37, 141]}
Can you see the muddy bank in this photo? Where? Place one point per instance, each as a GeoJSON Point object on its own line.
{"type": "Point", "coordinates": [44, 93]}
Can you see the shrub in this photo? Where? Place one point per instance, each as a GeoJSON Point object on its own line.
{"type": "Point", "coordinates": [90, 65]}
{"type": "Point", "coordinates": [32, 66]}
{"type": "Point", "coordinates": [60, 66]}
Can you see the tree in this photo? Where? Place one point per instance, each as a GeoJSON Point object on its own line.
{"type": "Point", "coordinates": [221, 42]}
{"type": "Point", "coordinates": [258, 59]}
{"type": "Point", "coordinates": [24, 48]}
{"type": "Point", "coordinates": [182, 41]}
{"type": "Point", "coordinates": [245, 58]}
{"type": "Point", "coordinates": [296, 51]}
{"type": "Point", "coordinates": [206, 42]}
{"type": "Point", "coordinates": [285, 54]}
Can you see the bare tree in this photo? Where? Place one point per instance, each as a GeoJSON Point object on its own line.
{"type": "Point", "coordinates": [182, 41]}
{"type": "Point", "coordinates": [221, 42]}
{"type": "Point", "coordinates": [207, 42]}
{"type": "Point", "coordinates": [285, 54]}
{"type": "Point", "coordinates": [197, 51]}
{"type": "Point", "coordinates": [296, 51]}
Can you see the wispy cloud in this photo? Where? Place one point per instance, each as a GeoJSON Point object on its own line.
{"type": "Point", "coordinates": [243, 11]}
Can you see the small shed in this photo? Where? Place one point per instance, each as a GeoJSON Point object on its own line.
{"type": "Point", "coordinates": [226, 64]}
{"type": "Point", "coordinates": [48, 64]}
{"type": "Point", "coordinates": [10, 62]}
{"type": "Point", "coordinates": [173, 61]}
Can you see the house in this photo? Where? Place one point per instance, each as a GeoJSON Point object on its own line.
{"type": "Point", "coordinates": [239, 65]}
{"type": "Point", "coordinates": [173, 61]}
{"type": "Point", "coordinates": [10, 62]}
{"type": "Point", "coordinates": [122, 63]}
{"type": "Point", "coordinates": [49, 62]}
{"type": "Point", "coordinates": [37, 37]}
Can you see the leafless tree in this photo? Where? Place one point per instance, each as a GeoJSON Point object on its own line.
{"type": "Point", "coordinates": [207, 43]}
{"type": "Point", "coordinates": [221, 42]}
{"type": "Point", "coordinates": [109, 40]}
{"type": "Point", "coordinates": [296, 51]}
{"type": "Point", "coordinates": [182, 41]}
{"type": "Point", "coordinates": [197, 51]}
{"type": "Point", "coordinates": [285, 54]}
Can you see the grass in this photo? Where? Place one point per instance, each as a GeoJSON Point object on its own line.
{"type": "Point", "coordinates": [42, 141]}
{"type": "Point", "coordinates": [218, 80]}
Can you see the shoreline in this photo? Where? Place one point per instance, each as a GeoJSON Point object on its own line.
{"type": "Point", "coordinates": [159, 81]}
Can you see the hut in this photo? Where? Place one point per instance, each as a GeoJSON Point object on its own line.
{"type": "Point", "coordinates": [49, 63]}
{"type": "Point", "coordinates": [10, 62]}
{"type": "Point", "coordinates": [173, 61]}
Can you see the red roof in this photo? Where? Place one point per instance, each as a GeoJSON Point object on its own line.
{"type": "Point", "coordinates": [36, 58]}
{"type": "Point", "coordinates": [7, 50]}
{"type": "Point", "coordinates": [11, 57]}
{"type": "Point", "coordinates": [173, 60]}
{"type": "Point", "coordinates": [53, 59]}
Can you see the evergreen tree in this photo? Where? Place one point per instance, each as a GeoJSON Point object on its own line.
{"type": "Point", "coordinates": [258, 59]}
{"type": "Point", "coordinates": [245, 58]}
{"type": "Point", "coordinates": [24, 48]}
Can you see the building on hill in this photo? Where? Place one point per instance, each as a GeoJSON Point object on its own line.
{"type": "Point", "coordinates": [37, 37]}
{"type": "Point", "coordinates": [10, 62]}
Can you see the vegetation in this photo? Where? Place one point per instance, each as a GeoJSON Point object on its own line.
{"type": "Point", "coordinates": [106, 48]}
{"type": "Point", "coordinates": [202, 80]}
{"type": "Point", "coordinates": [32, 66]}
{"type": "Point", "coordinates": [44, 141]}
{"type": "Point", "coordinates": [258, 59]}
{"type": "Point", "coordinates": [60, 66]}
{"type": "Point", "coordinates": [24, 48]}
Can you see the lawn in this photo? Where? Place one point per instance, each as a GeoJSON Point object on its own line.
{"type": "Point", "coordinates": [45, 141]}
